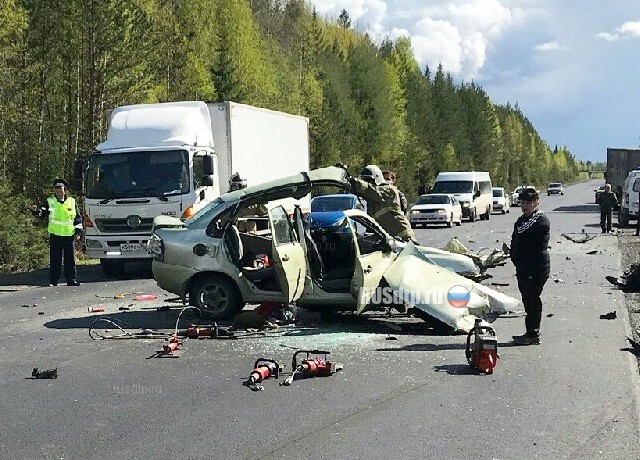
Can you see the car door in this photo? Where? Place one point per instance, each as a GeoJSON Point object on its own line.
{"type": "Point", "coordinates": [289, 260]}
{"type": "Point", "coordinates": [373, 257]}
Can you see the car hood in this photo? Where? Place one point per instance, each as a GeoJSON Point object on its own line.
{"type": "Point", "coordinates": [428, 287]}
{"type": "Point", "coordinates": [420, 207]}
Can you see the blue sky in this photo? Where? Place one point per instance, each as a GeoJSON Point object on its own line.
{"type": "Point", "coordinates": [573, 66]}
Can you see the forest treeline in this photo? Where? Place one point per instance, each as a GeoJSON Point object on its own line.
{"type": "Point", "coordinates": [65, 63]}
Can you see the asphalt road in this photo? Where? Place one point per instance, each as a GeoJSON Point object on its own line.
{"type": "Point", "coordinates": [574, 397]}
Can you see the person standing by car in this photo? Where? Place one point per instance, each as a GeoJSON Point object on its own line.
{"type": "Point", "coordinates": [529, 253]}
{"type": "Point", "coordinates": [390, 177]}
{"type": "Point", "coordinates": [382, 203]}
{"type": "Point", "coordinates": [65, 226]}
{"type": "Point", "coordinates": [607, 201]}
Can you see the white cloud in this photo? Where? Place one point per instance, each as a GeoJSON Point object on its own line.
{"type": "Point", "coordinates": [438, 42]}
{"type": "Point", "coordinates": [550, 46]}
{"type": "Point", "coordinates": [629, 29]}
{"type": "Point", "coordinates": [608, 36]}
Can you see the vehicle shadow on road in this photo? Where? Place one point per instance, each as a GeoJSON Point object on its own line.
{"type": "Point", "coordinates": [427, 347]}
{"type": "Point", "coordinates": [585, 208]}
{"type": "Point", "coordinates": [86, 274]}
{"type": "Point", "coordinates": [129, 320]}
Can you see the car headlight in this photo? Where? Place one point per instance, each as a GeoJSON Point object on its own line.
{"type": "Point", "coordinates": [441, 211]}
{"type": "Point", "coordinates": [465, 204]}
{"type": "Point", "coordinates": [155, 247]}
{"type": "Point", "coordinates": [414, 212]}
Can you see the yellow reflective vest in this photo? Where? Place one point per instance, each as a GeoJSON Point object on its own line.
{"type": "Point", "coordinates": [61, 216]}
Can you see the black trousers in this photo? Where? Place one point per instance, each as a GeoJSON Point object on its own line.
{"type": "Point", "coordinates": [605, 219]}
{"type": "Point", "coordinates": [59, 245]}
{"type": "Point", "coordinates": [530, 285]}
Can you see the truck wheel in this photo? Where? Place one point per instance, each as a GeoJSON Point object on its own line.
{"type": "Point", "coordinates": [216, 297]}
{"type": "Point", "coordinates": [112, 267]}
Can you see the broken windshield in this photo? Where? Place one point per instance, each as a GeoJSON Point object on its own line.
{"type": "Point", "coordinates": [138, 174]}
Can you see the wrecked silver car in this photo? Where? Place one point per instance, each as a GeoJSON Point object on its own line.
{"type": "Point", "coordinates": [220, 267]}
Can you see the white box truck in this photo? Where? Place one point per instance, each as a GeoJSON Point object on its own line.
{"type": "Point", "coordinates": [174, 158]}
{"type": "Point", "coordinates": [471, 188]}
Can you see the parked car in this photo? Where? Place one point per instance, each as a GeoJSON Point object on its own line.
{"type": "Point", "coordinates": [598, 191]}
{"type": "Point", "coordinates": [501, 200]}
{"type": "Point", "coordinates": [220, 269]}
{"type": "Point", "coordinates": [555, 188]}
{"type": "Point", "coordinates": [436, 208]}
{"type": "Point", "coordinates": [338, 202]}
{"type": "Point", "coordinates": [515, 196]}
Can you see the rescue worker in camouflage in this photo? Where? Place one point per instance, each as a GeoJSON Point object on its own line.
{"type": "Point", "coordinates": [607, 201]}
{"type": "Point", "coordinates": [390, 177]}
{"type": "Point", "coordinates": [65, 226]}
{"type": "Point", "coordinates": [382, 203]}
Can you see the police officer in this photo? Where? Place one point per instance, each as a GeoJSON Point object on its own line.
{"type": "Point", "coordinates": [529, 253]}
{"type": "Point", "coordinates": [607, 201]}
{"type": "Point", "coordinates": [382, 203]}
{"type": "Point", "coordinates": [65, 226]}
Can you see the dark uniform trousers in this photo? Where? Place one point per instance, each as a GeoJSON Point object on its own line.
{"type": "Point", "coordinates": [59, 245]}
{"type": "Point", "coordinates": [605, 219]}
{"type": "Point", "coordinates": [530, 285]}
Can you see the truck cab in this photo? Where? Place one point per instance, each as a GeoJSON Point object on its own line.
{"type": "Point", "coordinates": [629, 199]}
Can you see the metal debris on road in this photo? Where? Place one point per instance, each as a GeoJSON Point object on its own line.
{"type": "Point", "coordinates": [595, 251]}
{"type": "Point", "coordinates": [48, 374]}
{"type": "Point", "coordinates": [558, 280]}
{"type": "Point", "coordinates": [610, 315]}
{"type": "Point", "coordinates": [144, 297]}
{"type": "Point", "coordinates": [582, 238]}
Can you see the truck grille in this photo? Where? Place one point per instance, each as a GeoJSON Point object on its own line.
{"type": "Point", "coordinates": [121, 225]}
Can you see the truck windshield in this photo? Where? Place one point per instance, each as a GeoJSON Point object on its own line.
{"type": "Point", "coordinates": [138, 174]}
{"type": "Point", "coordinates": [453, 186]}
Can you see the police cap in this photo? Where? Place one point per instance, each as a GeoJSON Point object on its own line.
{"type": "Point", "coordinates": [60, 183]}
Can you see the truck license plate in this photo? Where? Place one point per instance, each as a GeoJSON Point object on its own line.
{"type": "Point", "coordinates": [131, 247]}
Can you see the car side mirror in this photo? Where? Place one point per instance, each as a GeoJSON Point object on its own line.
{"type": "Point", "coordinates": [207, 166]}
{"type": "Point", "coordinates": [476, 194]}
{"type": "Point", "coordinates": [207, 181]}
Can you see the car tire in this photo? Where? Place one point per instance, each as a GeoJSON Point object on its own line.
{"type": "Point", "coordinates": [216, 297]}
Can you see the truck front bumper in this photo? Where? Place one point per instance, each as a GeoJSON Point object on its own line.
{"type": "Point", "coordinates": [117, 247]}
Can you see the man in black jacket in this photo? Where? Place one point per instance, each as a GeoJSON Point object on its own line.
{"type": "Point", "coordinates": [530, 255]}
{"type": "Point", "coordinates": [607, 201]}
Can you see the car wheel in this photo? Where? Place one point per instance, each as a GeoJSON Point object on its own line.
{"type": "Point", "coordinates": [216, 297]}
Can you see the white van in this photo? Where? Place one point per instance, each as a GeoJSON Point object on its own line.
{"type": "Point", "coordinates": [629, 200]}
{"type": "Point", "coordinates": [471, 188]}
